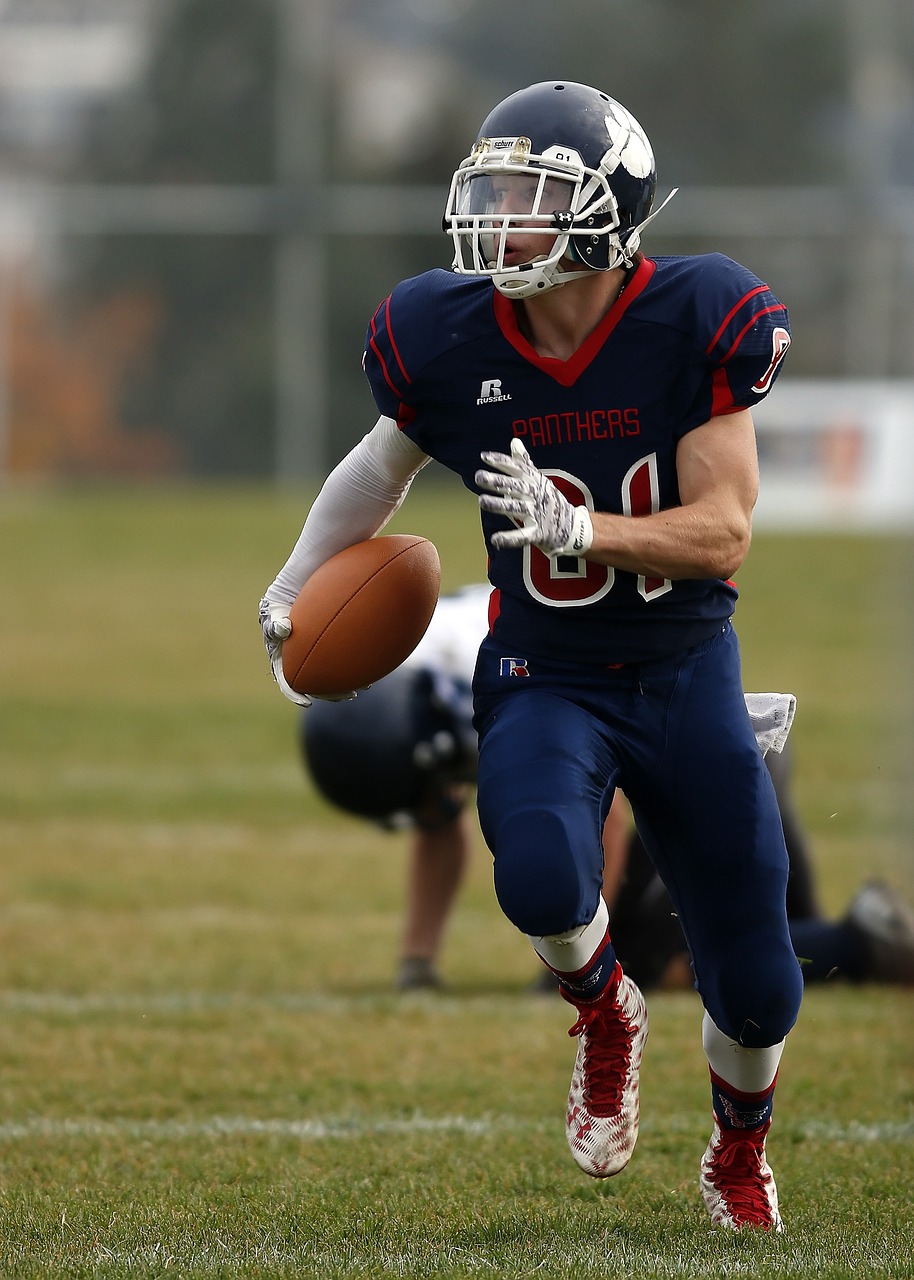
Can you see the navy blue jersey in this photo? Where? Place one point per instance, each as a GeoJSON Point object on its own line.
{"type": "Point", "coordinates": [688, 338]}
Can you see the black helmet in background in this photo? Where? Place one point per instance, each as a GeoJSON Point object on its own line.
{"type": "Point", "coordinates": [396, 753]}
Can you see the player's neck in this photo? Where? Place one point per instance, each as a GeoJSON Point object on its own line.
{"type": "Point", "coordinates": [558, 322]}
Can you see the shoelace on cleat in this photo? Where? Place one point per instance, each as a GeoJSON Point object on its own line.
{"type": "Point", "coordinates": [607, 1058]}
{"type": "Point", "coordinates": [736, 1172]}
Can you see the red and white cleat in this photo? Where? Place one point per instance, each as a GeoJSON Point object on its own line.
{"type": "Point", "coordinates": [736, 1180]}
{"type": "Point", "coordinates": [602, 1118]}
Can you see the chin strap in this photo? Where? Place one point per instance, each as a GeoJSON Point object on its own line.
{"type": "Point", "coordinates": [626, 250]}
{"type": "Point", "coordinates": [634, 238]}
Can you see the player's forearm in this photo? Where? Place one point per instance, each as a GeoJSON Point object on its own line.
{"type": "Point", "coordinates": [696, 541]}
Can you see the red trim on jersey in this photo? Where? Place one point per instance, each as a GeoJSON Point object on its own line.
{"type": "Point", "coordinates": [739, 337]}
{"type": "Point", "coordinates": [567, 372]}
{"type": "Point", "coordinates": [377, 311]}
{"type": "Point", "coordinates": [398, 391]}
{"type": "Point", "coordinates": [392, 340]}
{"type": "Point", "coordinates": [383, 366]}
{"type": "Point", "coordinates": [721, 395]}
{"type": "Point", "coordinates": [731, 313]}
{"type": "Point", "coordinates": [494, 606]}
{"type": "Point", "coordinates": [405, 415]}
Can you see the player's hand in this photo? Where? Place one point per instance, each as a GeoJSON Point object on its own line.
{"type": "Point", "coordinates": [276, 627]}
{"type": "Point", "coordinates": [518, 490]}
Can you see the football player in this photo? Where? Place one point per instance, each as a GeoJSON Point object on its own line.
{"type": "Point", "coordinates": [598, 402]}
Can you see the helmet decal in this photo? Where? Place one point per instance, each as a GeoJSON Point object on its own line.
{"type": "Point", "coordinates": [630, 146]}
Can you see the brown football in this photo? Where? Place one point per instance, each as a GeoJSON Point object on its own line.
{"type": "Point", "coordinates": [361, 614]}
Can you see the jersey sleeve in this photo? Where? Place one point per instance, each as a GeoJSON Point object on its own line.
{"type": "Point", "coordinates": [404, 336]}
{"type": "Point", "coordinates": [746, 331]}
{"type": "Point", "coordinates": [383, 363]}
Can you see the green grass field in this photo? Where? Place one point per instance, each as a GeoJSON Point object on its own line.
{"type": "Point", "coordinates": [204, 1071]}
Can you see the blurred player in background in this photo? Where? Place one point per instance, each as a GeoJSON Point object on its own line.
{"type": "Point", "coordinates": [403, 755]}
{"type": "Point", "coordinates": [608, 397]}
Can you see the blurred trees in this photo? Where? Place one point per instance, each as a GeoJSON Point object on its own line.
{"type": "Point", "coordinates": [203, 113]}
{"type": "Point", "coordinates": [68, 417]}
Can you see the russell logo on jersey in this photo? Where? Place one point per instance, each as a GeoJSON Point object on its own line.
{"type": "Point", "coordinates": [491, 393]}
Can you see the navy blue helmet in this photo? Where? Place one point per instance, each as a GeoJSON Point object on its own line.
{"type": "Point", "coordinates": [580, 172]}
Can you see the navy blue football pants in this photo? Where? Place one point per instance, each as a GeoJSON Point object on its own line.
{"type": "Point", "coordinates": [675, 735]}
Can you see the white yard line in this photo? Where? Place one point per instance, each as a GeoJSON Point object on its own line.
{"type": "Point", "coordinates": [342, 1128]}
{"type": "Point", "coordinates": [248, 1126]}
{"type": "Point", "coordinates": [65, 1004]}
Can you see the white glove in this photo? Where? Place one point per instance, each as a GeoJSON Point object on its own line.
{"type": "Point", "coordinates": [276, 627]}
{"type": "Point", "coordinates": [548, 520]}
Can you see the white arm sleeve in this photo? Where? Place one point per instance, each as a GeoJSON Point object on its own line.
{"type": "Point", "coordinates": [356, 501]}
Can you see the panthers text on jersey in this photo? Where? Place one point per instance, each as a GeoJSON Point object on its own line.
{"type": "Point", "coordinates": [687, 339]}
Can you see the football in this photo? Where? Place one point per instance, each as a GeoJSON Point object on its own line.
{"type": "Point", "coordinates": [361, 614]}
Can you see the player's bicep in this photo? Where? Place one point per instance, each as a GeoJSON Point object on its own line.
{"type": "Point", "coordinates": [718, 463]}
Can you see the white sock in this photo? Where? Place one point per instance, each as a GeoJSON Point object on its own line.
{"type": "Point", "coordinates": [748, 1070]}
{"type": "Point", "coordinates": [572, 951]}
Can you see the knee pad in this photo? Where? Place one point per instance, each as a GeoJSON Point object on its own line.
{"type": "Point", "coordinates": [756, 1005]}
{"type": "Point", "coordinates": [541, 886]}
